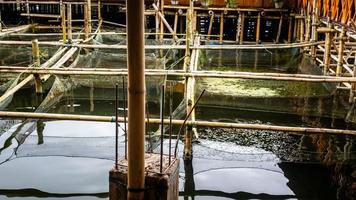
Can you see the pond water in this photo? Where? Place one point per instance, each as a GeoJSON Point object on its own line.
{"type": "Point", "coordinates": [41, 159]}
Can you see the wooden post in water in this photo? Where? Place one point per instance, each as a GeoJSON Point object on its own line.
{"type": "Point", "coordinates": [36, 63]}
{"type": "Point", "coordinates": [63, 22]}
{"type": "Point", "coordinates": [340, 61]}
{"type": "Point", "coordinates": [69, 22]}
{"type": "Point", "coordinates": [136, 99]}
{"type": "Point", "coordinates": [258, 28]}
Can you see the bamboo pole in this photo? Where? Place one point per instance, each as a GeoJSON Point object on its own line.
{"type": "Point", "coordinates": [63, 23]}
{"type": "Point", "coordinates": [86, 20]}
{"type": "Point", "coordinates": [165, 23]}
{"type": "Point", "coordinates": [279, 29]}
{"type": "Point", "coordinates": [181, 73]}
{"type": "Point", "coordinates": [136, 99]}
{"type": "Point", "coordinates": [238, 28]}
{"type": "Point", "coordinates": [221, 27]}
{"type": "Point", "coordinates": [161, 10]}
{"type": "Point", "coordinates": [242, 28]}
{"type": "Point", "coordinates": [328, 38]}
{"type": "Point", "coordinates": [100, 17]}
{"type": "Point", "coordinates": [176, 16]}
{"type": "Point", "coordinates": [302, 27]}
{"type": "Point", "coordinates": [298, 130]}
{"type": "Point", "coordinates": [340, 61]}
{"type": "Point", "coordinates": [353, 85]}
{"type": "Point", "coordinates": [258, 28]}
{"type": "Point", "coordinates": [36, 64]}
{"type": "Point", "coordinates": [69, 22]}
{"type": "Point", "coordinates": [315, 21]}
{"type": "Point", "coordinates": [210, 24]}
{"type": "Point", "coordinates": [16, 88]}
{"type": "Point", "coordinates": [290, 29]}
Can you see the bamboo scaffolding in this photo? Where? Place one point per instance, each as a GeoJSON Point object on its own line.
{"type": "Point", "coordinates": [165, 23]}
{"type": "Point", "coordinates": [40, 15]}
{"type": "Point", "coordinates": [23, 28]}
{"type": "Point", "coordinates": [297, 130]}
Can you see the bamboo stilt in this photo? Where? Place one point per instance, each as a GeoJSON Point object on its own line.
{"type": "Point", "coordinates": [258, 28]}
{"type": "Point", "coordinates": [340, 61]}
{"type": "Point", "coordinates": [86, 21]}
{"type": "Point", "coordinates": [36, 64]}
{"type": "Point", "coordinates": [136, 99]}
{"type": "Point", "coordinates": [100, 17]}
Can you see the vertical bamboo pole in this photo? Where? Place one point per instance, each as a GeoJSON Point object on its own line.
{"type": "Point", "coordinates": [279, 28]}
{"type": "Point", "coordinates": [188, 35]}
{"type": "Point", "coordinates": [86, 21]}
{"type": "Point", "coordinates": [258, 28]}
{"type": "Point", "coordinates": [89, 16]}
{"type": "Point", "coordinates": [63, 22]}
{"type": "Point", "coordinates": [36, 63]}
{"type": "Point", "coordinates": [308, 23]}
{"type": "Point", "coordinates": [28, 11]}
{"type": "Point", "coordinates": [175, 24]}
{"type": "Point", "coordinates": [314, 28]}
{"type": "Point", "coordinates": [340, 61]}
{"type": "Point", "coordinates": [136, 99]}
{"type": "Point", "coordinates": [302, 27]}
{"type": "Point", "coordinates": [327, 52]}
{"type": "Point", "coordinates": [238, 28]}
{"type": "Point", "coordinates": [290, 29]}
{"type": "Point", "coordinates": [69, 22]}
{"type": "Point", "coordinates": [157, 22]}
{"type": "Point", "coordinates": [221, 38]}
{"type": "Point", "coordinates": [353, 85]}
{"type": "Point", "coordinates": [211, 13]}
{"type": "Point", "coordinates": [242, 28]}
{"type": "Point", "coordinates": [0, 22]}
{"type": "Point", "coordinates": [100, 17]}
{"type": "Point", "coordinates": [161, 20]}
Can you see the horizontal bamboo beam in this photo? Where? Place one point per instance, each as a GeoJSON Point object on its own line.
{"type": "Point", "coordinates": [40, 15]}
{"type": "Point", "coordinates": [181, 73]}
{"type": "Point", "coordinates": [227, 9]}
{"type": "Point", "coordinates": [298, 130]}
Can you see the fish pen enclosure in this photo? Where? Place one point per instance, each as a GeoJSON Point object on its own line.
{"type": "Point", "coordinates": [180, 99]}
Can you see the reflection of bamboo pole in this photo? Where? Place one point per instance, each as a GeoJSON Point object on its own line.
{"type": "Point", "coordinates": [136, 99]}
{"type": "Point", "coordinates": [301, 130]}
